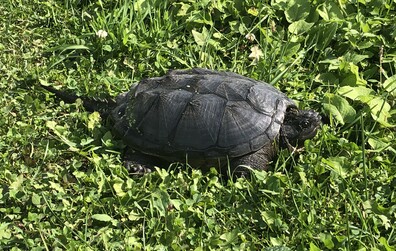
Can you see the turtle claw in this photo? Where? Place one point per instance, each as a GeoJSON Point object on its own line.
{"type": "Point", "coordinates": [135, 168]}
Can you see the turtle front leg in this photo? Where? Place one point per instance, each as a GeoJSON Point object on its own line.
{"type": "Point", "coordinates": [138, 163]}
{"type": "Point", "coordinates": [257, 160]}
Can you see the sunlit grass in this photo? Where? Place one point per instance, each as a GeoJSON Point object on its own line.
{"type": "Point", "coordinates": [63, 185]}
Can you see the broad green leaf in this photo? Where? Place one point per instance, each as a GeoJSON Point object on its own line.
{"type": "Point", "coordinates": [58, 130]}
{"type": "Point", "coordinates": [237, 26]}
{"type": "Point", "coordinates": [16, 186]}
{"type": "Point", "coordinates": [298, 10]}
{"type": "Point", "coordinates": [203, 38]}
{"type": "Point", "coordinates": [354, 92]}
{"type": "Point", "coordinates": [86, 141]}
{"type": "Point", "coordinates": [337, 165]}
{"type": "Point", "coordinates": [138, 5]}
{"type": "Point", "coordinates": [366, 99]}
{"type": "Point", "coordinates": [341, 238]}
{"type": "Point", "coordinates": [259, 175]}
{"type": "Point", "coordinates": [277, 242]}
{"type": "Point", "coordinates": [364, 44]}
{"type": "Point", "coordinates": [280, 4]}
{"type": "Point", "coordinates": [377, 144]}
{"type": "Point", "coordinates": [44, 82]}
{"type": "Point", "coordinates": [299, 27]}
{"type": "Point", "coordinates": [79, 174]}
{"type": "Point", "coordinates": [162, 173]}
{"type": "Point", "coordinates": [339, 107]}
{"type": "Point", "coordinates": [131, 39]}
{"type": "Point", "coordinates": [34, 217]}
{"type": "Point", "coordinates": [327, 240]}
{"type": "Point", "coordinates": [349, 79]}
{"type": "Point", "coordinates": [269, 217]}
{"type": "Point", "coordinates": [5, 231]}
{"type": "Point", "coordinates": [390, 85]}
{"type": "Point", "coordinates": [118, 189]}
{"type": "Point", "coordinates": [176, 203]}
{"type": "Point", "coordinates": [183, 10]}
{"type": "Point", "coordinates": [380, 110]}
{"type": "Point", "coordinates": [107, 47]}
{"type": "Point", "coordinates": [354, 58]}
{"type": "Point", "coordinates": [352, 76]}
{"type": "Point", "coordinates": [327, 78]}
{"type": "Point", "coordinates": [57, 187]}
{"type": "Point", "coordinates": [229, 236]}
{"type": "Point", "coordinates": [93, 120]}
{"type": "Point", "coordinates": [330, 11]}
{"type": "Point", "coordinates": [134, 216]}
{"type": "Point", "coordinates": [313, 247]}
{"type": "Point", "coordinates": [322, 34]}
{"type": "Point", "coordinates": [201, 18]}
{"type": "Point", "coordinates": [102, 217]}
{"type": "Point", "coordinates": [253, 11]}
{"type": "Point", "coordinates": [160, 201]}
{"type": "Point", "coordinates": [385, 243]}
{"type": "Point", "coordinates": [36, 199]}
{"type": "Point", "coordinates": [199, 38]}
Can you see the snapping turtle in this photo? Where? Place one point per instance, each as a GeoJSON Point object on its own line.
{"type": "Point", "coordinates": [204, 117]}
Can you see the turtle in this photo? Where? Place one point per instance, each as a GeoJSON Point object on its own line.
{"type": "Point", "coordinates": [206, 118]}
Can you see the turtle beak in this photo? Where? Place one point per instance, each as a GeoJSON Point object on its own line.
{"type": "Point", "coordinates": [316, 118]}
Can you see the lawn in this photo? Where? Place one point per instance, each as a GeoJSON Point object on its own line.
{"type": "Point", "coordinates": [62, 180]}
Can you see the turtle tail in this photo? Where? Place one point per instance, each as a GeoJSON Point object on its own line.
{"type": "Point", "coordinates": [103, 106]}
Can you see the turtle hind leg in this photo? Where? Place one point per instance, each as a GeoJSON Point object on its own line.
{"type": "Point", "coordinates": [138, 163]}
{"type": "Point", "coordinates": [257, 160]}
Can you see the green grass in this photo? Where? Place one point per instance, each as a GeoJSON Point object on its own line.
{"type": "Point", "coordinates": [63, 186]}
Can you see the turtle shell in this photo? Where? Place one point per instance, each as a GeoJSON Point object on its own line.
{"type": "Point", "coordinates": [199, 112]}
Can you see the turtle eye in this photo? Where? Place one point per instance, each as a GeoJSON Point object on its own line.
{"type": "Point", "coordinates": [305, 124]}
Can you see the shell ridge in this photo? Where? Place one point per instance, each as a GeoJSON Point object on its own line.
{"type": "Point", "coordinates": [221, 125]}
{"type": "Point", "coordinates": [273, 120]}
{"type": "Point", "coordinates": [145, 115]}
{"type": "Point", "coordinates": [214, 139]}
{"type": "Point", "coordinates": [172, 134]}
{"type": "Point", "coordinates": [253, 106]}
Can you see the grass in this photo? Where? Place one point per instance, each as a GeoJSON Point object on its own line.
{"type": "Point", "coordinates": [63, 185]}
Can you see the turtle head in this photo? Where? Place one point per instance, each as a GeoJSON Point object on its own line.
{"type": "Point", "coordinates": [298, 126]}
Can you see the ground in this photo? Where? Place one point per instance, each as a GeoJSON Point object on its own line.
{"type": "Point", "coordinates": [63, 185]}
